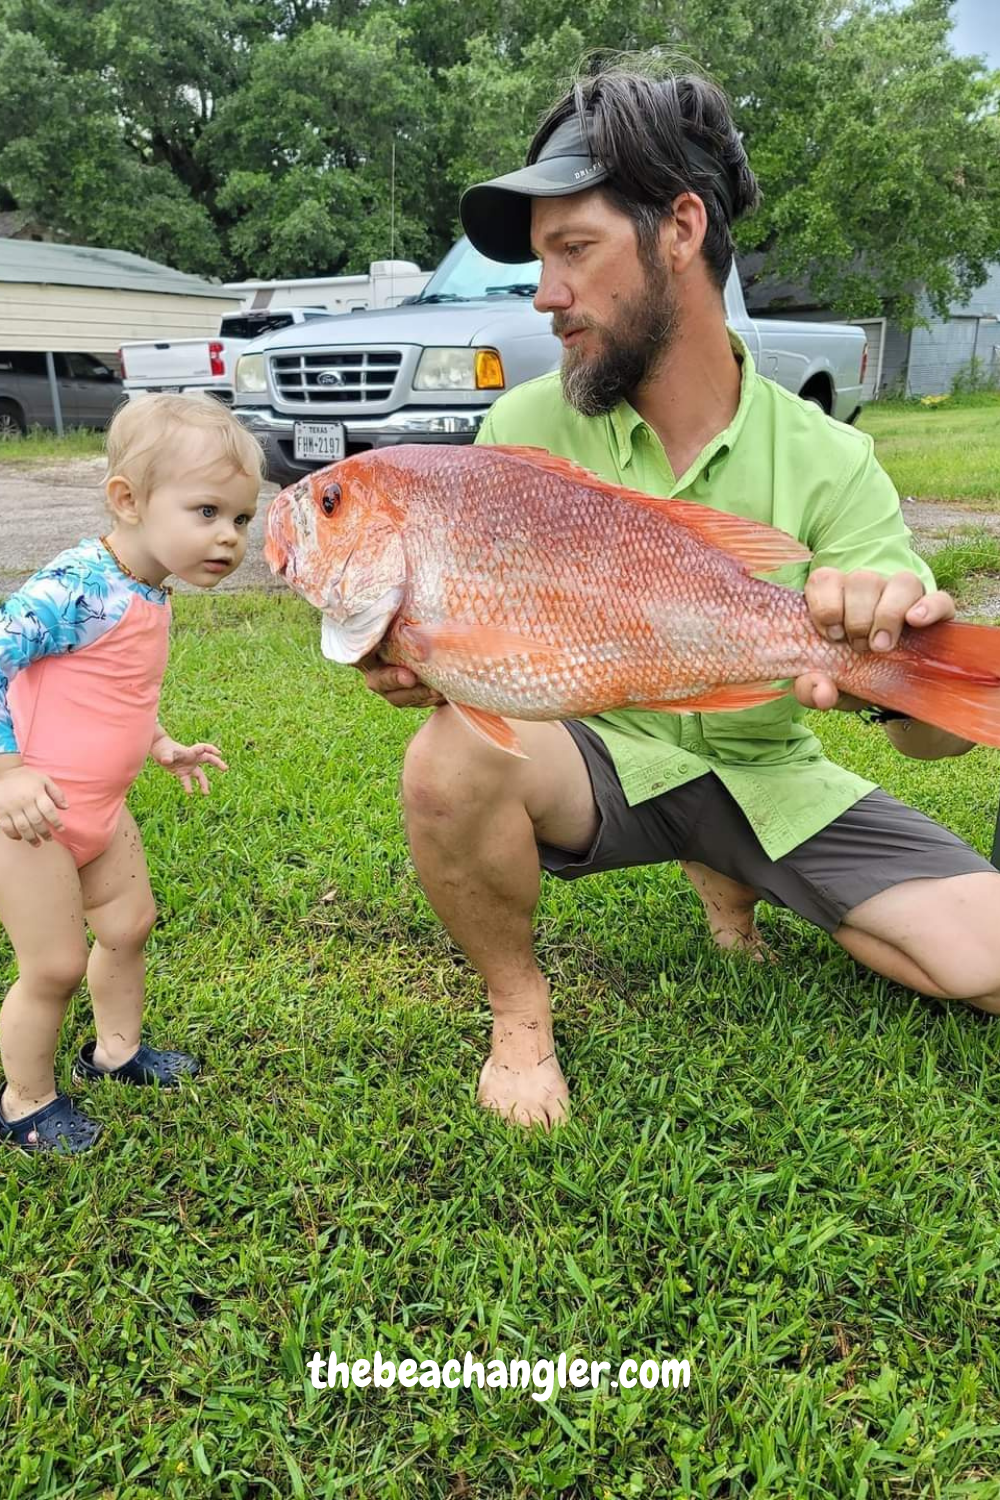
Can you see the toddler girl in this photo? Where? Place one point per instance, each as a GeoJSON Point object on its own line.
{"type": "Point", "coordinates": [83, 647]}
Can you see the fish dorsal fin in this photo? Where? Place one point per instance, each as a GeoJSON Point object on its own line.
{"type": "Point", "coordinates": [543, 459]}
{"type": "Point", "coordinates": [757, 547]}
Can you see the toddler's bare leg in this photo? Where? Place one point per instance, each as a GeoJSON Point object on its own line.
{"type": "Point", "coordinates": [41, 907]}
{"type": "Point", "coordinates": [120, 912]}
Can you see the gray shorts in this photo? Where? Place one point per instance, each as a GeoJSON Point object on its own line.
{"type": "Point", "coordinates": [876, 844]}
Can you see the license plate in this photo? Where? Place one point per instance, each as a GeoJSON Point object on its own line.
{"type": "Point", "coordinates": [323, 440]}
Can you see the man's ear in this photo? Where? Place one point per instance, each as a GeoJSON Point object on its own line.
{"type": "Point", "coordinates": [122, 500]}
{"type": "Point", "coordinates": [687, 224]}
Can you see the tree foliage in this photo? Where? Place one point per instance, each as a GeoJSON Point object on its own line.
{"type": "Point", "coordinates": [298, 137]}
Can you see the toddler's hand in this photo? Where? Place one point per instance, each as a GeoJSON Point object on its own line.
{"type": "Point", "coordinates": [185, 761]}
{"type": "Point", "coordinates": [29, 805]}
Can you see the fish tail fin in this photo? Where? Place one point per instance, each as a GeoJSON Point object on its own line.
{"type": "Point", "coordinates": [947, 675]}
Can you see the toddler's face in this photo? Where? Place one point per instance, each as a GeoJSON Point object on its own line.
{"type": "Point", "coordinates": [196, 521]}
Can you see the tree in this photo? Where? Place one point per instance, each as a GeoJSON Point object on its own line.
{"type": "Point", "coordinates": [887, 180]}
{"type": "Point", "coordinates": [308, 145]}
{"type": "Point", "coordinates": [258, 137]}
{"type": "Point", "coordinates": [66, 160]}
{"type": "Point", "coordinates": [494, 109]}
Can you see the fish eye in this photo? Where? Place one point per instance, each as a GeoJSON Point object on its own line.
{"type": "Point", "coordinates": [331, 499]}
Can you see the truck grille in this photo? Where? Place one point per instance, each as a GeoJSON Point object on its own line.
{"type": "Point", "coordinates": [339, 376]}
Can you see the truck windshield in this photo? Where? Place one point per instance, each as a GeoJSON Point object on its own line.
{"type": "Point", "coordinates": [464, 276]}
{"type": "Point", "coordinates": [251, 325]}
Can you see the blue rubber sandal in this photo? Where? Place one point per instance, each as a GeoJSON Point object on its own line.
{"type": "Point", "coordinates": [146, 1066]}
{"type": "Point", "coordinates": [58, 1126]}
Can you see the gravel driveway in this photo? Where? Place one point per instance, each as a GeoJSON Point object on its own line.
{"type": "Point", "coordinates": [50, 505]}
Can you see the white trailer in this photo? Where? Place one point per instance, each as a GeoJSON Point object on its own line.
{"type": "Point", "coordinates": [387, 284]}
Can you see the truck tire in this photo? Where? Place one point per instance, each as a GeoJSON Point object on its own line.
{"type": "Point", "coordinates": [818, 394]}
{"type": "Point", "coordinates": [12, 424]}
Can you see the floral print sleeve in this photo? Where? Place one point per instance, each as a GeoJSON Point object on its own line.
{"type": "Point", "coordinates": [63, 607]}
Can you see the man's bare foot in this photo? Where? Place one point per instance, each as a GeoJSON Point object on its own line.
{"type": "Point", "coordinates": [521, 1079]}
{"type": "Point", "coordinates": [729, 909]}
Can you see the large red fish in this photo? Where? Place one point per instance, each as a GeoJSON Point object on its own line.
{"type": "Point", "coordinates": [520, 585]}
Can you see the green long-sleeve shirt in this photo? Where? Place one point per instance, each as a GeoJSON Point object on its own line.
{"type": "Point", "coordinates": [781, 461]}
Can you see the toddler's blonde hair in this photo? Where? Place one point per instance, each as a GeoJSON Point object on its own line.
{"type": "Point", "coordinates": [139, 440]}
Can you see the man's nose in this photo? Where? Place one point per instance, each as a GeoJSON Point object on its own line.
{"type": "Point", "coordinates": [553, 295]}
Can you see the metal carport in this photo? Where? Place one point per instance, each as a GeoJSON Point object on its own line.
{"type": "Point", "coordinates": [67, 298]}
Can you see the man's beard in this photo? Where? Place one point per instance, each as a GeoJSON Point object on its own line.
{"type": "Point", "coordinates": [630, 348]}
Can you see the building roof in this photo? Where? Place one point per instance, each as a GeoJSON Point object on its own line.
{"type": "Point", "coordinates": [45, 264]}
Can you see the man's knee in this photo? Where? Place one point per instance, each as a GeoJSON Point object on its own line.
{"type": "Point", "coordinates": [964, 961]}
{"type": "Point", "coordinates": [946, 928]}
{"type": "Point", "coordinates": [971, 976]}
{"type": "Point", "coordinates": [448, 771]}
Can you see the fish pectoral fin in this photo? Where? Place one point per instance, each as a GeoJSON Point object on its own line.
{"type": "Point", "coordinates": [458, 638]}
{"type": "Point", "coordinates": [491, 728]}
{"type": "Point", "coordinates": [722, 699]}
{"type": "Point", "coordinates": [347, 641]}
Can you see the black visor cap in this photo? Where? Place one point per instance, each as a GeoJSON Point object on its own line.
{"type": "Point", "coordinates": [496, 215]}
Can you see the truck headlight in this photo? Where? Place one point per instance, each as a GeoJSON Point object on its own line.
{"type": "Point", "coordinates": [459, 370]}
{"type": "Point", "coordinates": [251, 374]}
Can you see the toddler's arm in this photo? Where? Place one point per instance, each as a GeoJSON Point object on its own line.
{"type": "Point", "coordinates": [185, 761]}
{"type": "Point", "coordinates": [40, 619]}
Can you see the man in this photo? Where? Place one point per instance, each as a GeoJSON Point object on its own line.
{"type": "Point", "coordinates": [630, 190]}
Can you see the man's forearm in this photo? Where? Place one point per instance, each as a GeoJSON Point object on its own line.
{"type": "Point", "coordinates": [921, 741]}
{"type": "Point", "coordinates": [911, 737]}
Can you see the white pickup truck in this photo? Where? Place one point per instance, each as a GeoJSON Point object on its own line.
{"type": "Point", "coordinates": [204, 366]}
{"type": "Point", "coordinates": [429, 370]}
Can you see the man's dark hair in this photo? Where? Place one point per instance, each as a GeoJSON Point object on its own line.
{"type": "Point", "coordinates": [659, 137]}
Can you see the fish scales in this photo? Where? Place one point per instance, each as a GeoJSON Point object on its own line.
{"type": "Point", "coordinates": [522, 587]}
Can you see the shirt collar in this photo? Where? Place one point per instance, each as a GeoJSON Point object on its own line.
{"type": "Point", "coordinates": [626, 421]}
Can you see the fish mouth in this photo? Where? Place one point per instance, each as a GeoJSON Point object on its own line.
{"type": "Point", "coordinates": [282, 530]}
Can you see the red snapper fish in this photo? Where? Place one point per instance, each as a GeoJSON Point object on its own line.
{"type": "Point", "coordinates": [521, 586]}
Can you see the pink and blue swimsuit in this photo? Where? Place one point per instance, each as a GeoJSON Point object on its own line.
{"type": "Point", "coordinates": [83, 650]}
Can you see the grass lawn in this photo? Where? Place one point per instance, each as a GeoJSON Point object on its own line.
{"type": "Point", "coordinates": [788, 1176]}
{"type": "Point", "coordinates": [77, 442]}
{"type": "Point", "coordinates": [951, 452]}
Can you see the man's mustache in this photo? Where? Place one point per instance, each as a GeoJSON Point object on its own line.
{"type": "Point", "coordinates": [561, 326]}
